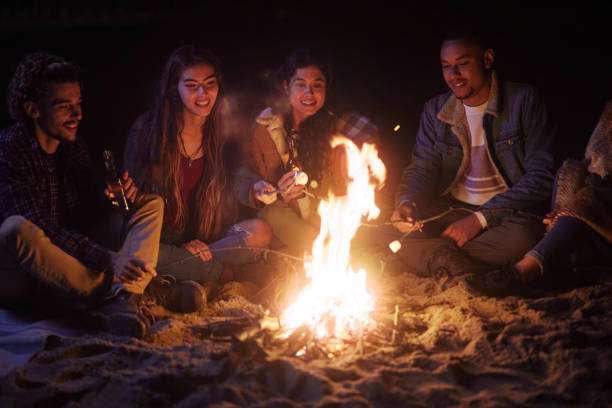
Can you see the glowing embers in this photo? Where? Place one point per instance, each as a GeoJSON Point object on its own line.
{"type": "Point", "coordinates": [335, 305]}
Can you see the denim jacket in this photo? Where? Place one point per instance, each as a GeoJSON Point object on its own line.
{"type": "Point", "coordinates": [520, 140]}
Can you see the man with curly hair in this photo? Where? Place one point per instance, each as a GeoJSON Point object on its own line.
{"type": "Point", "coordinates": [60, 244]}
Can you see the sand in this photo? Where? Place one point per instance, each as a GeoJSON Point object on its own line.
{"type": "Point", "coordinates": [450, 349]}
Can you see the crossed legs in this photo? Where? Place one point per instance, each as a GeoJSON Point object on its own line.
{"type": "Point", "coordinates": [30, 261]}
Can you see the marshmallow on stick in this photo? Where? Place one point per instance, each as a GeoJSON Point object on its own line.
{"type": "Point", "coordinates": [301, 178]}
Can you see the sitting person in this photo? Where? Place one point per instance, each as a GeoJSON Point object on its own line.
{"type": "Point", "coordinates": [295, 137]}
{"type": "Point", "coordinates": [579, 224]}
{"type": "Point", "coordinates": [177, 150]}
{"type": "Point", "coordinates": [61, 246]}
{"type": "Point", "coordinates": [484, 146]}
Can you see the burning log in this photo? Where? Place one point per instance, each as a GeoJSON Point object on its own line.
{"type": "Point", "coordinates": [226, 327]}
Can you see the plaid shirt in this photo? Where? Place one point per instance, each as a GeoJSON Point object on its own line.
{"type": "Point", "coordinates": [55, 192]}
{"type": "Point", "coordinates": [358, 128]}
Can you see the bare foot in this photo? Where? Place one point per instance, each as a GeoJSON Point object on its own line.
{"type": "Point", "coordinates": [529, 269]}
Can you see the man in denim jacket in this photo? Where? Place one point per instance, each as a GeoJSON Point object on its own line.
{"type": "Point", "coordinates": [484, 147]}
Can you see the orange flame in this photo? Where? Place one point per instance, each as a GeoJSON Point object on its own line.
{"type": "Point", "coordinates": [336, 303]}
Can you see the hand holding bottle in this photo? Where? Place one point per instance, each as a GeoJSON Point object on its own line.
{"type": "Point", "coordinates": [114, 184]}
{"type": "Point", "coordinates": [129, 188]}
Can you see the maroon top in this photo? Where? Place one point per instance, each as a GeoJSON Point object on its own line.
{"type": "Point", "coordinates": [190, 176]}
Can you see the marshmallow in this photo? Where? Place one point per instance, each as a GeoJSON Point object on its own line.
{"type": "Point", "coordinates": [301, 178]}
{"type": "Point", "coordinates": [395, 246]}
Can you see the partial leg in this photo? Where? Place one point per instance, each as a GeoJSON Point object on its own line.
{"type": "Point", "coordinates": [297, 234]}
{"type": "Point", "coordinates": [232, 249]}
{"type": "Point", "coordinates": [554, 250]}
{"type": "Point", "coordinates": [506, 243]}
{"type": "Point", "coordinates": [259, 232]}
{"type": "Point", "coordinates": [29, 258]}
{"type": "Point", "coordinates": [568, 236]}
{"type": "Point", "coordinates": [136, 233]}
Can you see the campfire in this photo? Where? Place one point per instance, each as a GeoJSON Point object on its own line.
{"type": "Point", "coordinates": [335, 305]}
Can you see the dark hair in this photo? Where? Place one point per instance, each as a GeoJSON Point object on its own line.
{"type": "Point", "coordinates": [303, 57]}
{"type": "Point", "coordinates": [313, 145]}
{"type": "Point", "coordinates": [32, 78]}
{"type": "Point", "coordinates": [469, 36]}
{"type": "Point", "coordinates": [315, 131]}
{"type": "Point", "coordinates": [162, 125]}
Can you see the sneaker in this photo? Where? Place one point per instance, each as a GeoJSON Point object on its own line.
{"type": "Point", "coordinates": [180, 297]}
{"type": "Point", "coordinates": [124, 315]}
{"type": "Point", "coordinates": [450, 260]}
{"type": "Point", "coordinates": [498, 283]}
{"type": "Point", "coordinates": [445, 280]}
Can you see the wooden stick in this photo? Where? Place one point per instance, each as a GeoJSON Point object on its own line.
{"type": "Point", "coordinates": [394, 324]}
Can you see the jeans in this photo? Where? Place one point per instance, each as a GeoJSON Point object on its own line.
{"type": "Point", "coordinates": [568, 237]}
{"type": "Point", "coordinates": [30, 262]}
{"type": "Point", "coordinates": [231, 249]}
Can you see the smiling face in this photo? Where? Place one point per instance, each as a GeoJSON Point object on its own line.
{"type": "Point", "coordinates": [306, 90]}
{"type": "Point", "coordinates": [198, 88]}
{"type": "Point", "coordinates": [58, 114]}
{"type": "Point", "coordinates": [466, 70]}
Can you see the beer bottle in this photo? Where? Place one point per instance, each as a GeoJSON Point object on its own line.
{"type": "Point", "coordinates": [301, 178]}
{"type": "Point", "coordinates": [113, 182]}
{"type": "Point", "coordinates": [292, 163]}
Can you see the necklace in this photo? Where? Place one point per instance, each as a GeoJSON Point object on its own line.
{"type": "Point", "coordinates": [190, 157]}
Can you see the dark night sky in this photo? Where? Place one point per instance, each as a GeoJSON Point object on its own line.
{"type": "Point", "coordinates": [386, 58]}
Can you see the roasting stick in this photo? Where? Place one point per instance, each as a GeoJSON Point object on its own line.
{"type": "Point", "coordinates": [295, 258]}
{"type": "Point", "coordinates": [282, 190]}
{"type": "Point", "coordinates": [216, 250]}
{"type": "Point", "coordinates": [394, 324]}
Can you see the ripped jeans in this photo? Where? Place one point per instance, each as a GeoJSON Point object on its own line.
{"type": "Point", "coordinates": [231, 249]}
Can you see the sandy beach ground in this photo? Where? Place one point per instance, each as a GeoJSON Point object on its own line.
{"type": "Point", "coordinates": [450, 349]}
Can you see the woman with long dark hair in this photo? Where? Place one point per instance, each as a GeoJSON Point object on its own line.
{"type": "Point", "coordinates": [177, 150]}
{"type": "Point", "coordinates": [297, 134]}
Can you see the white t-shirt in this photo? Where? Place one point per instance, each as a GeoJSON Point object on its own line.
{"type": "Point", "coordinates": [483, 181]}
